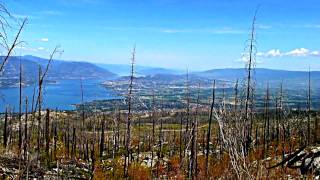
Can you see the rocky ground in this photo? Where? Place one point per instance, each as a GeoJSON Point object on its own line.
{"type": "Point", "coordinates": [13, 168]}
{"type": "Point", "coordinates": [306, 159]}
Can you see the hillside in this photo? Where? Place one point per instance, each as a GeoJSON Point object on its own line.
{"type": "Point", "coordinates": [58, 70]}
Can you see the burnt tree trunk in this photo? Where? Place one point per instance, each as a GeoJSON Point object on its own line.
{"type": "Point", "coordinates": [47, 135]}
{"type": "Point", "coordinates": [5, 137]}
{"type": "Point", "coordinates": [102, 137]}
{"type": "Point", "coordinates": [209, 128]}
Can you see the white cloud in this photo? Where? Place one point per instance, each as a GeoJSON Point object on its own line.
{"type": "Point", "coordinates": [27, 48]}
{"type": "Point", "coordinates": [245, 59]}
{"type": "Point", "coordinates": [44, 39]}
{"type": "Point", "coordinates": [273, 53]}
{"type": "Point", "coordinates": [242, 59]}
{"type": "Point", "coordinates": [171, 31]}
{"type": "Point", "coordinates": [299, 52]}
{"type": "Point", "coordinates": [41, 48]}
{"type": "Point", "coordinates": [315, 53]}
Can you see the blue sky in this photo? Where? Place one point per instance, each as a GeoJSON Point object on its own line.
{"type": "Point", "coordinates": [198, 34]}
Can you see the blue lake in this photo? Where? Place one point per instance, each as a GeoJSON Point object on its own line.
{"type": "Point", "coordinates": [61, 95]}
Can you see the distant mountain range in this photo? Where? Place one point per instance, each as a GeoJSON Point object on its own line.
{"type": "Point", "coordinates": [58, 70]}
{"type": "Point", "coordinates": [75, 70]}
{"type": "Point", "coordinates": [262, 76]}
{"type": "Point", "coordinates": [124, 70]}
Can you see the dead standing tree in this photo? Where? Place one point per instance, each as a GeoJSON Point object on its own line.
{"type": "Point", "coordinates": [5, 129]}
{"type": "Point", "coordinates": [266, 126]}
{"type": "Point", "coordinates": [236, 134]}
{"type": "Point", "coordinates": [194, 143]}
{"type": "Point", "coordinates": [39, 98]}
{"type": "Point", "coordinates": [309, 108]}
{"type": "Point", "coordinates": [188, 103]}
{"type": "Point", "coordinates": [209, 128]}
{"type": "Point", "coordinates": [129, 118]}
{"type": "Point", "coordinates": [153, 126]}
{"type": "Point", "coordinates": [8, 49]}
{"type": "Point", "coordinates": [249, 93]}
{"type": "Point", "coordinates": [186, 133]}
{"type": "Point", "coordinates": [20, 108]}
{"type": "Point", "coordinates": [102, 137]}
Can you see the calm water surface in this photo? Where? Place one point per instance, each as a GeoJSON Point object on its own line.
{"type": "Point", "coordinates": [62, 95]}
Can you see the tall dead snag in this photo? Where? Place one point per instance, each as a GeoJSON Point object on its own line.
{"type": "Point", "coordinates": [186, 133]}
{"type": "Point", "coordinates": [309, 108]}
{"type": "Point", "coordinates": [159, 153]}
{"type": "Point", "coordinates": [68, 138]}
{"type": "Point", "coordinates": [139, 129]}
{"type": "Point", "coordinates": [249, 85]}
{"type": "Point", "coordinates": [194, 138]}
{"type": "Point", "coordinates": [161, 140]}
{"type": "Point", "coordinates": [117, 129]}
{"type": "Point", "coordinates": [5, 137]}
{"type": "Point", "coordinates": [129, 118]}
{"type": "Point", "coordinates": [26, 138]}
{"type": "Point", "coordinates": [209, 128]}
{"type": "Point", "coordinates": [153, 126]}
{"type": "Point", "coordinates": [74, 143]}
{"type": "Point", "coordinates": [47, 136]}
{"type": "Point", "coordinates": [82, 135]}
{"type": "Point", "coordinates": [82, 104]}
{"type": "Point", "coordinates": [102, 137]}
{"type": "Point", "coordinates": [188, 103]}
{"type": "Point", "coordinates": [266, 130]}
{"type": "Point", "coordinates": [236, 98]}
{"type": "Point", "coordinates": [181, 138]}
{"type": "Point", "coordinates": [20, 108]}
{"type": "Point", "coordinates": [39, 113]}
{"type": "Point", "coordinates": [55, 136]}
{"type": "Point", "coordinates": [281, 113]}
{"type": "Point", "coordinates": [276, 125]}
{"type": "Point", "coordinates": [172, 151]}
{"type": "Point", "coordinates": [315, 133]}
{"type": "Point", "coordinates": [39, 98]}
{"type": "Point", "coordinates": [33, 100]}
{"type": "Point", "coordinates": [92, 155]}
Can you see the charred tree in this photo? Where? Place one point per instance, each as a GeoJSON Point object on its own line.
{"type": "Point", "coordinates": [5, 128]}
{"type": "Point", "coordinates": [47, 135]}
{"type": "Point", "coordinates": [209, 127]}
{"type": "Point", "coordinates": [102, 137]}
{"type": "Point", "coordinates": [249, 86]}
{"type": "Point", "coordinates": [20, 108]}
{"type": "Point", "coordinates": [26, 138]}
